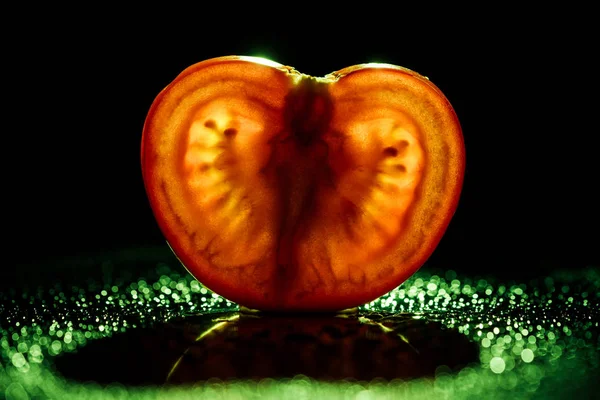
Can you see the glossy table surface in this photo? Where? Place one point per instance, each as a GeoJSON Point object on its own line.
{"type": "Point", "coordinates": [134, 324]}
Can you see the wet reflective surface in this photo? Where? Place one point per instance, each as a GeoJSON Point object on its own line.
{"type": "Point", "coordinates": [234, 346]}
{"type": "Point", "coordinates": [146, 328]}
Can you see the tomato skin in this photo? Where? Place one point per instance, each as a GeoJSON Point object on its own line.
{"type": "Point", "coordinates": [308, 186]}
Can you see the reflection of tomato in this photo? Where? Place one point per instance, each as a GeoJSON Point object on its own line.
{"type": "Point", "coordinates": [281, 191]}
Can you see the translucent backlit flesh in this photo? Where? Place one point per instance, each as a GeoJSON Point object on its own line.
{"type": "Point", "coordinates": [282, 191]}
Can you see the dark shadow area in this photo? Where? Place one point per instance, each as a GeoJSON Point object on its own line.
{"type": "Point", "coordinates": [250, 347]}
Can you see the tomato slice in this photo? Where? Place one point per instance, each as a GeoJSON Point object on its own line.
{"type": "Point", "coordinates": [281, 191]}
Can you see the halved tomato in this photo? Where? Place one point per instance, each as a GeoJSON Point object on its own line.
{"type": "Point", "coordinates": [281, 191]}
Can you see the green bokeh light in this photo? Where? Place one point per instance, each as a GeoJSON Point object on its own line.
{"type": "Point", "coordinates": [538, 339]}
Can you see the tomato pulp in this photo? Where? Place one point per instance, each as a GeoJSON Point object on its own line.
{"type": "Point", "coordinates": [281, 191]}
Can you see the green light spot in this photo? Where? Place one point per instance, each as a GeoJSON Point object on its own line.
{"type": "Point", "coordinates": [56, 347]}
{"type": "Point", "coordinates": [18, 360]}
{"type": "Point", "coordinates": [497, 365]}
{"type": "Point", "coordinates": [556, 351]}
{"type": "Point", "coordinates": [527, 355]}
{"type": "Point", "coordinates": [35, 350]}
{"type": "Point", "coordinates": [517, 349]}
{"type": "Point", "coordinates": [15, 391]}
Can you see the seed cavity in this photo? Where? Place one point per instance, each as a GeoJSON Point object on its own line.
{"type": "Point", "coordinates": [395, 151]}
{"type": "Point", "coordinates": [400, 168]}
{"type": "Point", "coordinates": [210, 124]}
{"type": "Point", "coordinates": [229, 132]}
{"type": "Point", "coordinates": [390, 152]}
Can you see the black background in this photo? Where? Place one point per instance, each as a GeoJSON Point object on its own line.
{"type": "Point", "coordinates": [79, 85]}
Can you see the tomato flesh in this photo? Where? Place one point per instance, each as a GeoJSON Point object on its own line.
{"type": "Point", "coordinates": [281, 191]}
